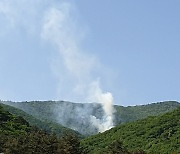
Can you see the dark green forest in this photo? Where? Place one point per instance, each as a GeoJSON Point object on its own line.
{"type": "Point", "coordinates": [133, 113]}
{"type": "Point", "coordinates": [77, 115]}
{"type": "Point", "coordinates": [17, 136]}
{"type": "Point", "coordinates": [152, 128]}
{"type": "Point", "coordinates": [155, 134]}
{"type": "Point", "coordinates": [46, 125]}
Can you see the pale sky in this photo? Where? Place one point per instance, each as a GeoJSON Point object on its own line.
{"type": "Point", "coordinates": [55, 50]}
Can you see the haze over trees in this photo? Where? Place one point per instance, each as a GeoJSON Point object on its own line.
{"type": "Point", "coordinates": [77, 116]}
{"type": "Point", "coordinates": [152, 128]}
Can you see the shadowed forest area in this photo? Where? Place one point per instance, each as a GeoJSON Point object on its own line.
{"type": "Point", "coordinates": [22, 133]}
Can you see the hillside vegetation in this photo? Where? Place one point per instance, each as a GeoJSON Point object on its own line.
{"type": "Point", "coordinates": [155, 134]}
{"type": "Point", "coordinates": [133, 113]}
{"type": "Point", "coordinates": [17, 136]}
{"type": "Point", "coordinates": [77, 116]}
{"type": "Point", "coordinates": [48, 126]}
{"type": "Point", "coordinates": [72, 115]}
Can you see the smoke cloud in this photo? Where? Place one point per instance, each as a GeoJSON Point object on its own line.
{"type": "Point", "coordinates": [75, 68]}
{"type": "Point", "coordinates": [59, 28]}
{"type": "Point", "coordinates": [106, 100]}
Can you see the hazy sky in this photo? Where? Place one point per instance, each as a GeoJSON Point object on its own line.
{"type": "Point", "coordinates": [53, 50]}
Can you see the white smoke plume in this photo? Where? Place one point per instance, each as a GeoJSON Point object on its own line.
{"type": "Point", "coordinates": [106, 100]}
{"type": "Point", "coordinates": [59, 28]}
{"type": "Point", "coordinates": [56, 23]}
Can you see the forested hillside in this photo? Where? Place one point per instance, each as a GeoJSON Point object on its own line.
{"type": "Point", "coordinates": [77, 116]}
{"type": "Point", "coordinates": [133, 113]}
{"type": "Point", "coordinates": [72, 115]}
{"type": "Point", "coordinates": [48, 126]}
{"type": "Point", "coordinates": [155, 134]}
{"type": "Point", "coordinates": [17, 136]}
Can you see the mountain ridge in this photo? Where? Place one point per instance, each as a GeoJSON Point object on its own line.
{"type": "Point", "coordinates": [50, 127]}
{"type": "Point", "coordinates": [77, 115]}
{"type": "Point", "coordinates": [154, 134]}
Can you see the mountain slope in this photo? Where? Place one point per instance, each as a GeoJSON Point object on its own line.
{"type": "Point", "coordinates": [77, 116]}
{"type": "Point", "coordinates": [155, 134]}
{"type": "Point", "coordinates": [72, 115]}
{"type": "Point", "coordinates": [50, 127]}
{"type": "Point", "coordinates": [17, 136]}
{"type": "Point", "coordinates": [11, 124]}
{"type": "Point", "coordinates": [133, 113]}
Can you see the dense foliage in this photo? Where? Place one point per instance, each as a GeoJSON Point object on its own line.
{"type": "Point", "coordinates": [72, 115]}
{"type": "Point", "coordinates": [17, 136]}
{"type": "Point", "coordinates": [77, 116]}
{"type": "Point", "coordinates": [155, 134]}
{"type": "Point", "coordinates": [133, 113]}
{"type": "Point", "coordinates": [48, 126]}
